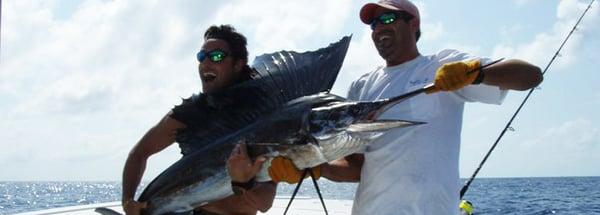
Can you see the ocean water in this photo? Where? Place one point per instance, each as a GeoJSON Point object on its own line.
{"type": "Point", "coordinates": [564, 195]}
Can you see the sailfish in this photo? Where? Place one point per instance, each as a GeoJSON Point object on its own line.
{"type": "Point", "coordinates": [286, 110]}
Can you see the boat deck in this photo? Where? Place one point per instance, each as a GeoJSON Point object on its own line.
{"type": "Point", "coordinates": [300, 206]}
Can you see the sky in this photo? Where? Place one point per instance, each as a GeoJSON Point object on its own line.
{"type": "Point", "coordinates": [82, 81]}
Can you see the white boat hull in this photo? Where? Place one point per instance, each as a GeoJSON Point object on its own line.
{"type": "Point", "coordinates": [300, 206]}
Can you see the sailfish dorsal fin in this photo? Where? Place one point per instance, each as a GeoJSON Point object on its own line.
{"type": "Point", "coordinates": [288, 75]}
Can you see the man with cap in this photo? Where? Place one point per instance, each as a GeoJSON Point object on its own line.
{"type": "Point", "coordinates": [415, 171]}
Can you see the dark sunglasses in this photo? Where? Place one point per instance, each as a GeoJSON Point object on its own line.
{"type": "Point", "coordinates": [389, 18]}
{"type": "Point", "coordinates": [215, 56]}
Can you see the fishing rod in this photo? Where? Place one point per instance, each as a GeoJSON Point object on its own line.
{"type": "Point", "coordinates": [508, 125]}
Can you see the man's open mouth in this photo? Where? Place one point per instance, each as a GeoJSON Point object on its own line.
{"type": "Point", "coordinates": [383, 38]}
{"type": "Point", "coordinates": [208, 76]}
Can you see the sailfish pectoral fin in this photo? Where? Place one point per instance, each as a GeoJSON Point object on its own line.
{"type": "Point", "coordinates": [381, 125]}
{"type": "Point", "coordinates": [106, 211]}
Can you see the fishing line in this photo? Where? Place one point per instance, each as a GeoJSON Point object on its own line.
{"type": "Point", "coordinates": [295, 191]}
{"type": "Point", "coordinates": [508, 125]}
{"type": "Point", "coordinates": [312, 176]}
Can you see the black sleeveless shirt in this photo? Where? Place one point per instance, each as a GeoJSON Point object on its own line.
{"type": "Point", "coordinates": [209, 117]}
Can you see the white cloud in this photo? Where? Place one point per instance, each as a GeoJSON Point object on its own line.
{"type": "Point", "coordinates": [571, 147]}
{"type": "Point", "coordinates": [568, 148]}
{"type": "Point", "coordinates": [506, 32]}
{"type": "Point", "coordinates": [574, 136]}
{"type": "Point", "coordinates": [83, 87]}
{"type": "Point", "coordinates": [545, 44]}
{"type": "Point", "coordinates": [432, 32]}
{"type": "Point", "coordinates": [278, 25]}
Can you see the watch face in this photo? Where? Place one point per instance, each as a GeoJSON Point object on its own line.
{"type": "Point", "coordinates": [238, 190]}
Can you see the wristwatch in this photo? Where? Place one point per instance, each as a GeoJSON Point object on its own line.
{"type": "Point", "coordinates": [479, 78]}
{"type": "Point", "coordinates": [239, 188]}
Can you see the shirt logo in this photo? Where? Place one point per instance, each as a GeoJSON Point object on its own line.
{"type": "Point", "coordinates": [418, 82]}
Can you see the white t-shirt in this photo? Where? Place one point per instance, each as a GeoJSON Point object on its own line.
{"type": "Point", "coordinates": [415, 170]}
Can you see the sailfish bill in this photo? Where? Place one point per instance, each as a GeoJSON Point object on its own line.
{"type": "Point", "coordinates": [380, 125]}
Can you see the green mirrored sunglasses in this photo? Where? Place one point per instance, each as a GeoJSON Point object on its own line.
{"type": "Point", "coordinates": [389, 18]}
{"type": "Point", "coordinates": [216, 55]}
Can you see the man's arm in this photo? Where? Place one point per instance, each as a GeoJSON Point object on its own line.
{"type": "Point", "coordinates": [242, 169]}
{"type": "Point", "coordinates": [344, 170]}
{"type": "Point", "coordinates": [156, 139]}
{"type": "Point", "coordinates": [508, 75]}
{"type": "Point", "coordinates": [513, 75]}
{"type": "Point", "coordinates": [261, 196]}
{"type": "Point", "coordinates": [258, 198]}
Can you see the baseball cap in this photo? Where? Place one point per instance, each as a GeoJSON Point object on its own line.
{"type": "Point", "coordinates": [368, 10]}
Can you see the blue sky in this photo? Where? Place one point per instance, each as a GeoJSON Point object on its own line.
{"type": "Point", "coordinates": [82, 81]}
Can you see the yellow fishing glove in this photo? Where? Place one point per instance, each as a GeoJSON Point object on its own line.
{"type": "Point", "coordinates": [282, 169]}
{"type": "Point", "coordinates": [456, 75]}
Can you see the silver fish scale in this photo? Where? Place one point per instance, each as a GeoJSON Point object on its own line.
{"type": "Point", "coordinates": [329, 148]}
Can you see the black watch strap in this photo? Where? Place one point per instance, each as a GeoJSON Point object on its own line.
{"type": "Point", "coordinates": [240, 187]}
{"type": "Point", "coordinates": [479, 78]}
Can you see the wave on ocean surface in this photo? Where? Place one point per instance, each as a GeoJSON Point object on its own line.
{"type": "Point", "coordinates": [561, 195]}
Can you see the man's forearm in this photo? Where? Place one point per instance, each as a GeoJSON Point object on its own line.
{"type": "Point", "coordinates": [261, 196]}
{"type": "Point", "coordinates": [513, 74]}
{"type": "Point", "coordinates": [132, 176]}
{"type": "Point", "coordinates": [344, 170]}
